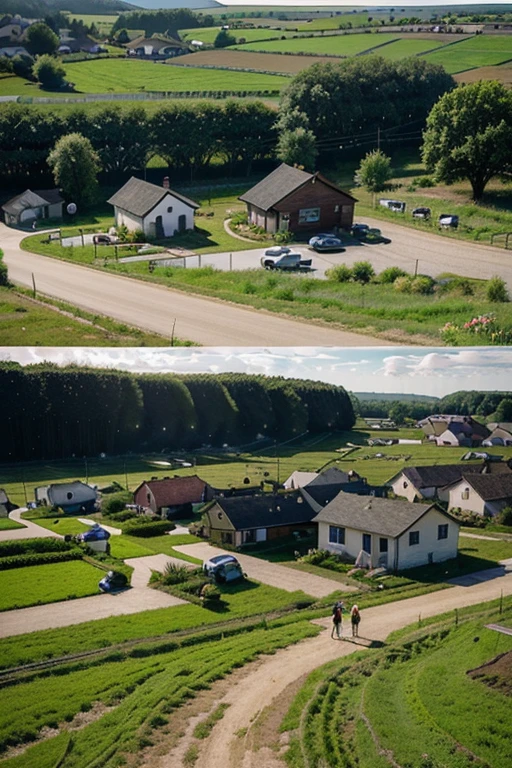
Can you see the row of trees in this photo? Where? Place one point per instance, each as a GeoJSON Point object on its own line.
{"type": "Point", "coordinates": [490, 406]}
{"type": "Point", "coordinates": [187, 136]}
{"type": "Point", "coordinates": [157, 22]}
{"type": "Point", "coordinates": [57, 413]}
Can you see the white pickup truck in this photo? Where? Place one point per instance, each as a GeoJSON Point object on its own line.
{"type": "Point", "coordinates": [287, 261]}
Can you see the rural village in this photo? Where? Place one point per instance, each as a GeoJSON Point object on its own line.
{"type": "Point", "coordinates": [255, 325]}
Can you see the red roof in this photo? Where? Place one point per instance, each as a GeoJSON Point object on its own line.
{"type": "Point", "coordinates": [173, 492]}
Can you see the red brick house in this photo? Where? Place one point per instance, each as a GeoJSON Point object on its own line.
{"type": "Point", "coordinates": [172, 495]}
{"type": "Point", "coordinates": [291, 199]}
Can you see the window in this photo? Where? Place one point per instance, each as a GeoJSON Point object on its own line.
{"type": "Point", "coordinates": [336, 209]}
{"type": "Point", "coordinates": [414, 538]}
{"type": "Point", "coordinates": [226, 538]}
{"type": "Point", "coordinates": [309, 215]}
{"type": "Point", "coordinates": [336, 535]}
{"type": "Point", "coordinates": [383, 545]}
{"type": "Point", "coordinates": [406, 484]}
{"type": "Point", "coordinates": [442, 531]}
{"type": "Point", "coordinates": [69, 495]}
{"type": "Point", "coordinates": [169, 210]}
{"type": "Point", "coordinates": [465, 494]}
{"type": "Point", "coordinates": [367, 543]}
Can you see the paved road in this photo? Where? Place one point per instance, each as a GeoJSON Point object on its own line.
{"type": "Point", "coordinates": [155, 308]}
{"type": "Point", "coordinates": [272, 574]}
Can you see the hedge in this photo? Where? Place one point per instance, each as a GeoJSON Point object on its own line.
{"type": "Point", "coordinates": [38, 558]}
{"type": "Point", "coordinates": [29, 546]}
{"type": "Point", "coordinates": [149, 529]}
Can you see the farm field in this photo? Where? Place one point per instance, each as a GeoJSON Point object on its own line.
{"type": "Point", "coordinates": [267, 62]}
{"type": "Point", "coordinates": [501, 73]}
{"type": "Point", "coordinates": [474, 52]}
{"type": "Point", "coordinates": [335, 45]}
{"type": "Point", "coordinates": [400, 706]}
{"type": "Point", "coordinates": [408, 46]}
{"type": "Point", "coordinates": [39, 584]}
{"type": "Point", "coordinates": [207, 35]}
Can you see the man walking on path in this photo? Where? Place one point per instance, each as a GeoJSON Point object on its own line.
{"type": "Point", "coordinates": [337, 617]}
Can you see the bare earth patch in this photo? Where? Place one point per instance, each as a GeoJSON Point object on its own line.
{"type": "Point", "coordinates": [496, 673]}
{"type": "Point", "coordinates": [502, 73]}
{"type": "Point", "coordinates": [264, 62]}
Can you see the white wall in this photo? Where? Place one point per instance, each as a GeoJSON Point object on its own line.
{"type": "Point", "coordinates": [473, 502]}
{"type": "Point", "coordinates": [417, 554]}
{"type": "Point", "coordinates": [354, 544]}
{"type": "Point", "coordinates": [404, 488]}
{"type": "Point", "coordinates": [169, 219]}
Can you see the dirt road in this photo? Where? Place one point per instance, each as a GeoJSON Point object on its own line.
{"type": "Point", "coordinates": [265, 680]}
{"type": "Point", "coordinates": [155, 308]}
{"type": "Point", "coordinates": [273, 574]}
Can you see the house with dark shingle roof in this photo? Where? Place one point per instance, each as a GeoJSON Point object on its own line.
{"type": "Point", "coordinates": [248, 520]}
{"type": "Point", "coordinates": [24, 209]}
{"type": "Point", "coordinates": [430, 482]}
{"type": "Point", "coordinates": [291, 199]}
{"type": "Point", "coordinates": [500, 434]}
{"type": "Point", "coordinates": [387, 533]}
{"type": "Point", "coordinates": [484, 495]}
{"type": "Point", "coordinates": [157, 211]}
{"type": "Point", "coordinates": [156, 46]}
{"type": "Point", "coordinates": [172, 495]}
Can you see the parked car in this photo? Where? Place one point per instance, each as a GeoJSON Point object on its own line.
{"type": "Point", "coordinates": [367, 234]}
{"type": "Point", "coordinates": [277, 250]}
{"type": "Point", "coordinates": [288, 261]}
{"type": "Point", "coordinates": [329, 243]}
{"type": "Point", "coordinates": [422, 213]}
{"type": "Point", "coordinates": [394, 205]}
{"type": "Point", "coordinates": [113, 581]}
{"type": "Point", "coordinates": [448, 221]}
{"type": "Point", "coordinates": [219, 561]}
{"type": "Point", "coordinates": [359, 231]}
{"type": "Point", "coordinates": [104, 239]}
{"type": "Point", "coordinates": [320, 235]}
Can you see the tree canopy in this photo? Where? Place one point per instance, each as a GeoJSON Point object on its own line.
{"type": "Point", "coordinates": [374, 171]}
{"type": "Point", "coordinates": [469, 135]}
{"type": "Point", "coordinates": [223, 39]}
{"type": "Point", "coordinates": [298, 147]}
{"type": "Point", "coordinates": [49, 72]}
{"type": "Point", "coordinates": [40, 38]}
{"type": "Point", "coordinates": [75, 167]}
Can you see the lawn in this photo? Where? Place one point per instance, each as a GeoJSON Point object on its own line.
{"type": "Point", "coordinates": [62, 525]}
{"type": "Point", "coordinates": [480, 51]}
{"type": "Point", "coordinates": [9, 525]}
{"type": "Point", "coordinates": [334, 45]}
{"type": "Point", "coordinates": [406, 47]}
{"type": "Point", "coordinates": [390, 702]}
{"type": "Point", "coordinates": [42, 584]}
{"type": "Point", "coordinates": [24, 322]}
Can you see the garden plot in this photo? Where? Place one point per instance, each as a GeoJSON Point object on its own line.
{"type": "Point", "coordinates": [334, 45]}
{"type": "Point", "coordinates": [248, 59]}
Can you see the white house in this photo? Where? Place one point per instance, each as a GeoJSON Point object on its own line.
{"type": "Point", "coordinates": [157, 211]}
{"type": "Point", "coordinates": [481, 494]}
{"type": "Point", "coordinates": [387, 533]}
{"type": "Point", "coordinates": [70, 497]}
{"type": "Point", "coordinates": [299, 479]}
{"type": "Point", "coordinates": [428, 482]}
{"type": "Point", "coordinates": [31, 205]}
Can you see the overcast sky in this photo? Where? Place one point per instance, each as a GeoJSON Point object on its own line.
{"type": "Point", "coordinates": [420, 370]}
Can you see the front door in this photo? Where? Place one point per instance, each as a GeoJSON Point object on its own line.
{"type": "Point", "coordinates": [182, 223]}
{"type": "Point", "coordinates": [159, 228]}
{"type": "Point", "coordinates": [367, 543]}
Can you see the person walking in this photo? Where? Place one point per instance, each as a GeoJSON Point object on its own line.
{"type": "Point", "coordinates": [337, 618]}
{"type": "Point", "coordinates": [355, 618]}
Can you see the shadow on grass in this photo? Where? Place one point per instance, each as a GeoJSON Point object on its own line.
{"type": "Point", "coordinates": [437, 573]}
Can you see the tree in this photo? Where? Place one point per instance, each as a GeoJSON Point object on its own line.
{"type": "Point", "coordinates": [122, 36]}
{"type": "Point", "coordinates": [374, 171]}
{"type": "Point", "coordinates": [75, 166]}
{"type": "Point", "coordinates": [22, 66]}
{"type": "Point", "coordinates": [503, 412]}
{"type": "Point", "coordinates": [49, 72]}
{"type": "Point", "coordinates": [40, 38]}
{"type": "Point", "coordinates": [298, 147]}
{"type": "Point", "coordinates": [469, 135]}
{"type": "Point", "coordinates": [224, 39]}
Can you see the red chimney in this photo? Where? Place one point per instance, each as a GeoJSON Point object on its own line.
{"type": "Point", "coordinates": [165, 183]}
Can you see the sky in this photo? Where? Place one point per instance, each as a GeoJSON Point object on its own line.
{"type": "Point", "coordinates": [434, 371]}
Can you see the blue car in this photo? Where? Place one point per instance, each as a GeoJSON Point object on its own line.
{"type": "Point", "coordinates": [113, 582]}
{"type": "Point", "coordinates": [327, 243]}
{"type": "Point", "coordinates": [320, 235]}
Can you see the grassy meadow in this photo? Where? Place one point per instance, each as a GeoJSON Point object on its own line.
{"type": "Point", "coordinates": [41, 584]}
{"type": "Point", "coordinates": [479, 51]}
{"type": "Point", "coordinates": [333, 45]}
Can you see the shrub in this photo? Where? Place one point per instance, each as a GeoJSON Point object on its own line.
{"type": "Point", "coordinates": [282, 237]}
{"type": "Point", "coordinates": [391, 274]}
{"type": "Point", "coordinates": [175, 574]}
{"type": "Point", "coordinates": [403, 284]}
{"type": "Point", "coordinates": [422, 284]}
{"type": "Point", "coordinates": [210, 593]}
{"type": "Point", "coordinates": [30, 546]}
{"type": "Point", "coordinates": [497, 290]}
{"type": "Point", "coordinates": [146, 529]}
{"type": "Point", "coordinates": [362, 272]}
{"type": "Point", "coordinates": [284, 294]}
{"type": "Point", "coordinates": [39, 558]}
{"type": "Point", "coordinates": [4, 277]}
{"type": "Point", "coordinates": [116, 502]}
{"type": "Point", "coordinates": [505, 516]}
{"type": "Point", "coordinates": [339, 274]}
{"type": "Point", "coordinates": [424, 181]}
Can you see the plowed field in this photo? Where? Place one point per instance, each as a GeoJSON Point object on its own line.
{"type": "Point", "coordinates": [262, 62]}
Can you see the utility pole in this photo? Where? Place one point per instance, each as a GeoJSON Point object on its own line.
{"type": "Point", "coordinates": [378, 138]}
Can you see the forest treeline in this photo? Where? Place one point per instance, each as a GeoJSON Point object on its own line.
{"type": "Point", "coordinates": [496, 406]}
{"type": "Point", "coordinates": [52, 413]}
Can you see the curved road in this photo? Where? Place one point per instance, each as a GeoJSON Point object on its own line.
{"type": "Point", "coordinates": [155, 308]}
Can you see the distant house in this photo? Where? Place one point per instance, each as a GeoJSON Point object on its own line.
{"type": "Point", "coordinates": [70, 497]}
{"type": "Point", "coordinates": [500, 434]}
{"type": "Point", "coordinates": [33, 205]}
{"type": "Point", "coordinates": [248, 520]}
{"type": "Point", "coordinates": [484, 495]}
{"type": "Point", "coordinates": [172, 496]}
{"type": "Point", "coordinates": [157, 211]}
{"type": "Point", "coordinates": [6, 506]}
{"type": "Point", "coordinates": [156, 46]}
{"type": "Point", "coordinates": [13, 50]}
{"type": "Point", "coordinates": [454, 430]}
{"type": "Point", "coordinates": [387, 533]}
{"type": "Point", "coordinates": [430, 482]}
{"type": "Point", "coordinates": [291, 199]}
{"type": "Point", "coordinates": [299, 479]}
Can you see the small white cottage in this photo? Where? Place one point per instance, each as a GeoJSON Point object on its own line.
{"type": "Point", "coordinates": [26, 208]}
{"type": "Point", "coordinates": [158, 211]}
{"type": "Point", "coordinates": [387, 533]}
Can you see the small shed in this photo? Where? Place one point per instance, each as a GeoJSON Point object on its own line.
{"type": "Point", "coordinates": [26, 208]}
{"type": "Point", "coordinates": [70, 497]}
{"type": "Point", "coordinates": [289, 199]}
{"type": "Point", "coordinates": [157, 211]}
{"type": "Point", "coordinates": [172, 496]}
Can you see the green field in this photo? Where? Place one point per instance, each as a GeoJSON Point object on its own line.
{"type": "Point", "coordinates": [407, 46]}
{"type": "Point", "coordinates": [480, 51]}
{"type": "Point", "coordinates": [41, 584]}
{"type": "Point", "coordinates": [334, 45]}
{"type": "Point", "coordinates": [391, 703]}
{"type": "Point", "coordinates": [207, 35]}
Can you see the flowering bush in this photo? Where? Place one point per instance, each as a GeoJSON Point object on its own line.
{"type": "Point", "coordinates": [482, 330]}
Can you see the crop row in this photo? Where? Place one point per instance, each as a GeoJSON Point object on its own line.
{"type": "Point", "coordinates": [143, 690]}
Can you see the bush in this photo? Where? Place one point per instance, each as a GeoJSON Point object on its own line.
{"type": "Point", "coordinates": [497, 290]}
{"type": "Point", "coordinates": [150, 528]}
{"type": "Point", "coordinates": [282, 237]}
{"type": "Point", "coordinates": [116, 502]}
{"type": "Point", "coordinates": [505, 516]}
{"type": "Point", "coordinates": [391, 274]}
{"type": "Point", "coordinates": [422, 284]}
{"type": "Point", "coordinates": [123, 516]}
{"type": "Point", "coordinates": [175, 574]}
{"type": "Point", "coordinates": [210, 593]}
{"type": "Point", "coordinates": [339, 274]}
{"type": "Point", "coordinates": [424, 181]}
{"type": "Point", "coordinates": [362, 272]}
{"type": "Point", "coordinates": [31, 546]}
{"type": "Point", "coordinates": [39, 558]}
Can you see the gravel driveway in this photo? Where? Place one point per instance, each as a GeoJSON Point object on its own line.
{"type": "Point", "coordinates": [272, 574]}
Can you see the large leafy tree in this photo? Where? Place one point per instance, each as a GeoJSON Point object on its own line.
{"type": "Point", "coordinates": [40, 38]}
{"type": "Point", "coordinates": [49, 72]}
{"type": "Point", "coordinates": [374, 171]}
{"type": "Point", "coordinates": [75, 167]}
{"type": "Point", "coordinates": [298, 147]}
{"type": "Point", "coordinates": [469, 135]}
